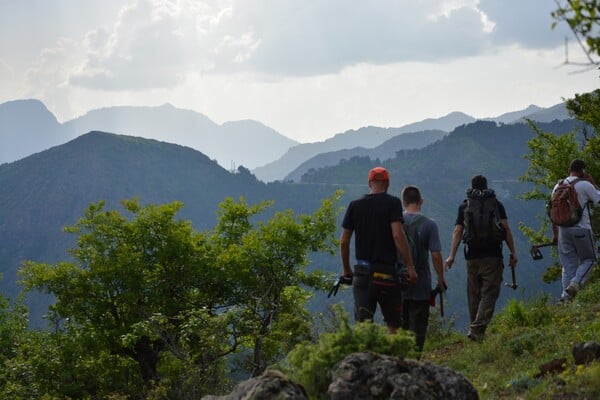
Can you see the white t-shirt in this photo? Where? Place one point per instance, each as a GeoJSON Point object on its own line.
{"type": "Point", "coordinates": [586, 192]}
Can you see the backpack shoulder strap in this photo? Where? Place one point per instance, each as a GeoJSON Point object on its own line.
{"type": "Point", "coordinates": [413, 227]}
{"type": "Point", "coordinates": [417, 221]}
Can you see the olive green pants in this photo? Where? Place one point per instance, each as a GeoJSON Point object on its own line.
{"type": "Point", "coordinates": [484, 277]}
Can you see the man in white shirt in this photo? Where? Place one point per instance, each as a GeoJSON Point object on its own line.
{"type": "Point", "coordinates": [576, 247]}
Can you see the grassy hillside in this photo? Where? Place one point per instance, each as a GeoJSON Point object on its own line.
{"type": "Point", "coordinates": [523, 336]}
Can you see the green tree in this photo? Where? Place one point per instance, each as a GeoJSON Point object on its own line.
{"type": "Point", "coordinates": [162, 306]}
{"type": "Point", "coordinates": [583, 18]}
{"type": "Point", "coordinates": [266, 262]}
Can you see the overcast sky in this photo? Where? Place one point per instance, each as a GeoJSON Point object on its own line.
{"type": "Point", "coordinates": [307, 68]}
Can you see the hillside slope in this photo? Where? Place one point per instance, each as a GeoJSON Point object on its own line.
{"type": "Point", "coordinates": [42, 193]}
{"type": "Point", "coordinates": [386, 150]}
{"type": "Point", "coordinates": [525, 337]}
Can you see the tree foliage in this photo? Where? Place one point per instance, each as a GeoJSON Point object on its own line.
{"type": "Point", "coordinates": [583, 18]}
{"type": "Point", "coordinates": [149, 307]}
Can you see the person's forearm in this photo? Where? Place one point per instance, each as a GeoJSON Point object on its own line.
{"type": "Point", "coordinates": [509, 238]}
{"type": "Point", "coordinates": [438, 265]}
{"type": "Point", "coordinates": [345, 251]}
{"type": "Point", "coordinates": [456, 234]}
{"type": "Point", "coordinates": [403, 249]}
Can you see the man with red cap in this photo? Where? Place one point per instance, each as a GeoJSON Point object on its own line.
{"type": "Point", "coordinates": [380, 242]}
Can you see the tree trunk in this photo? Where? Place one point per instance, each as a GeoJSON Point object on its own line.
{"type": "Point", "coordinates": [258, 360]}
{"type": "Point", "coordinates": [146, 355]}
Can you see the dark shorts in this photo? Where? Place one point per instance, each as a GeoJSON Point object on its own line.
{"type": "Point", "coordinates": [368, 293]}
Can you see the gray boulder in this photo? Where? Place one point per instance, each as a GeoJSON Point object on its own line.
{"type": "Point", "coordinates": [367, 376]}
{"type": "Point", "coordinates": [270, 385]}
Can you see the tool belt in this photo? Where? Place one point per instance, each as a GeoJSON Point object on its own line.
{"type": "Point", "coordinates": [388, 275]}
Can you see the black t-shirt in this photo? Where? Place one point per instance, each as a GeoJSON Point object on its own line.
{"type": "Point", "coordinates": [488, 250]}
{"type": "Point", "coordinates": [370, 218]}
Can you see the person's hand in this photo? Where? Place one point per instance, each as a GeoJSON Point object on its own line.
{"type": "Point", "coordinates": [412, 276]}
{"type": "Point", "coordinates": [449, 262]}
{"type": "Point", "coordinates": [347, 273]}
{"type": "Point", "coordinates": [441, 286]}
{"type": "Point", "coordinates": [512, 260]}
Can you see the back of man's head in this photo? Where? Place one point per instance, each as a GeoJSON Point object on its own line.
{"type": "Point", "coordinates": [379, 174]}
{"type": "Point", "coordinates": [411, 195]}
{"type": "Point", "coordinates": [479, 182]}
{"type": "Point", "coordinates": [577, 166]}
{"type": "Point", "coordinates": [379, 180]}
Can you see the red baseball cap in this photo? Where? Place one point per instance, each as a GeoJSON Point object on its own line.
{"type": "Point", "coordinates": [379, 174]}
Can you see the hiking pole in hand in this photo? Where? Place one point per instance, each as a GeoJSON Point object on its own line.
{"type": "Point", "coordinates": [535, 252]}
{"type": "Point", "coordinates": [514, 280]}
{"type": "Point", "coordinates": [434, 293]}
{"type": "Point", "coordinates": [342, 280]}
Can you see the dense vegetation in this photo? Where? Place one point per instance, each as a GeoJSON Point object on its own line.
{"type": "Point", "coordinates": [150, 308]}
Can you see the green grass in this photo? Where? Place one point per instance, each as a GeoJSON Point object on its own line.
{"type": "Point", "coordinates": [522, 336]}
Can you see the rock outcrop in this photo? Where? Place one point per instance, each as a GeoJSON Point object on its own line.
{"type": "Point", "coordinates": [364, 376]}
{"type": "Point", "coordinates": [373, 376]}
{"type": "Point", "coordinates": [270, 385]}
{"type": "Point", "coordinates": [586, 352]}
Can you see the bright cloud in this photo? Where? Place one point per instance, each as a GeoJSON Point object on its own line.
{"type": "Point", "coordinates": [307, 68]}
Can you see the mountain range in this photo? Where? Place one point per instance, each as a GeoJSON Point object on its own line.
{"type": "Point", "coordinates": [28, 127]}
{"type": "Point", "coordinates": [386, 150]}
{"type": "Point", "coordinates": [289, 166]}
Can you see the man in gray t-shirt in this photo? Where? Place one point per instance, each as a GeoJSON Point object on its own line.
{"type": "Point", "coordinates": [426, 239]}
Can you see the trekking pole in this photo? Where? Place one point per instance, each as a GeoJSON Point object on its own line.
{"type": "Point", "coordinates": [514, 280]}
{"type": "Point", "coordinates": [535, 252]}
{"type": "Point", "coordinates": [434, 293]}
{"type": "Point", "coordinates": [336, 285]}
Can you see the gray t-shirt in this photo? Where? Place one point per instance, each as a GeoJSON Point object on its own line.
{"type": "Point", "coordinates": [429, 239]}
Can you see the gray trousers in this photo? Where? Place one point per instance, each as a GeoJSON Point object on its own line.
{"type": "Point", "coordinates": [484, 277]}
{"type": "Point", "coordinates": [577, 255]}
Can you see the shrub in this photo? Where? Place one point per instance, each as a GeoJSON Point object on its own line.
{"type": "Point", "coordinates": [519, 314]}
{"type": "Point", "coordinates": [310, 363]}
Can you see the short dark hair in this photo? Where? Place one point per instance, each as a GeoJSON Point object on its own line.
{"type": "Point", "coordinates": [411, 195]}
{"type": "Point", "coordinates": [479, 182]}
{"type": "Point", "coordinates": [577, 166]}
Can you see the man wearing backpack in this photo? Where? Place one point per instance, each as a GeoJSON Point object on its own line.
{"type": "Point", "coordinates": [423, 234]}
{"type": "Point", "coordinates": [575, 239]}
{"type": "Point", "coordinates": [376, 218]}
{"type": "Point", "coordinates": [482, 224]}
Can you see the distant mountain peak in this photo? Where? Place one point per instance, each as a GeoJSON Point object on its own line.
{"type": "Point", "coordinates": [533, 108]}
